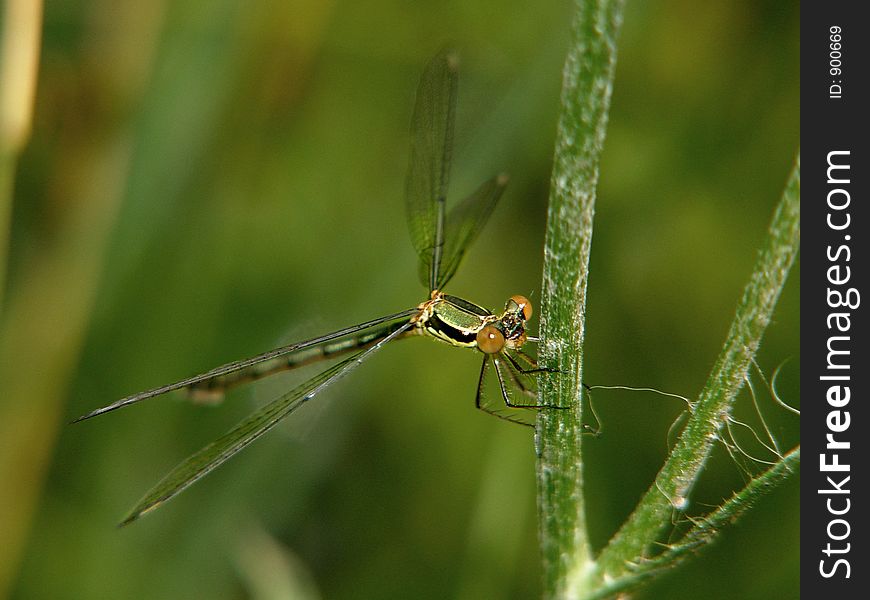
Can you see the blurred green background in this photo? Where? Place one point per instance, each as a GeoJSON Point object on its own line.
{"type": "Point", "coordinates": [208, 179]}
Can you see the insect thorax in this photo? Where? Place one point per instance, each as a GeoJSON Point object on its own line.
{"type": "Point", "coordinates": [453, 320]}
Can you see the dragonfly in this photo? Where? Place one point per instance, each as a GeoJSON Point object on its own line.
{"type": "Point", "coordinates": [440, 239]}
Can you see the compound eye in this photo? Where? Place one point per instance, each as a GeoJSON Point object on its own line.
{"type": "Point", "coordinates": [490, 340]}
{"type": "Point", "coordinates": [524, 305]}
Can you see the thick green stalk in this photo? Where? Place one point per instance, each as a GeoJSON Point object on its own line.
{"type": "Point", "coordinates": [586, 89]}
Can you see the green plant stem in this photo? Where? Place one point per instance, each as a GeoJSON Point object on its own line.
{"type": "Point", "coordinates": [586, 90]}
{"type": "Point", "coordinates": [675, 480]}
{"type": "Point", "coordinates": [705, 529]}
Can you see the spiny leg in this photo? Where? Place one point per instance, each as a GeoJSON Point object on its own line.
{"type": "Point", "coordinates": [533, 364]}
{"type": "Point", "coordinates": [504, 390]}
{"type": "Point", "coordinates": [480, 393]}
{"type": "Point", "coordinates": [536, 369]}
{"type": "Point", "coordinates": [518, 380]}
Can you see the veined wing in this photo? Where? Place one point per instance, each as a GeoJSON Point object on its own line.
{"type": "Point", "coordinates": [251, 428]}
{"type": "Point", "coordinates": [429, 169]}
{"type": "Point", "coordinates": [293, 355]}
{"type": "Point", "coordinates": [464, 223]}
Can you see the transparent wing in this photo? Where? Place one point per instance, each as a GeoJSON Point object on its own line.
{"type": "Point", "coordinates": [251, 428]}
{"type": "Point", "coordinates": [429, 169]}
{"type": "Point", "coordinates": [507, 393]}
{"type": "Point", "coordinates": [464, 223]}
{"type": "Point", "coordinates": [287, 357]}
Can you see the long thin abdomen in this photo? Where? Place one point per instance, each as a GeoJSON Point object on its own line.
{"type": "Point", "coordinates": [212, 390]}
